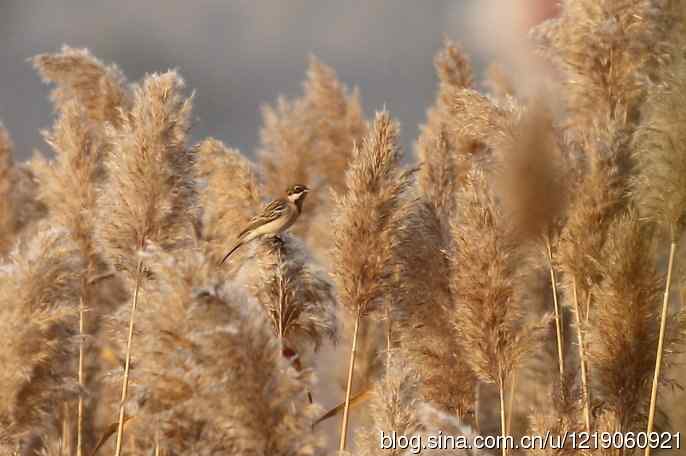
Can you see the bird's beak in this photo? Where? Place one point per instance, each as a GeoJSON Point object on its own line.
{"type": "Point", "coordinates": [306, 190]}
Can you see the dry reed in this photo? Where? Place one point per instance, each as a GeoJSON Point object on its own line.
{"type": "Point", "coordinates": [211, 377]}
{"type": "Point", "coordinates": [488, 315]}
{"type": "Point", "coordinates": [424, 305]}
{"type": "Point", "coordinates": [659, 184]}
{"type": "Point", "coordinates": [531, 183]}
{"type": "Point", "coordinates": [623, 335]}
{"type": "Point", "coordinates": [444, 156]}
{"type": "Point", "coordinates": [365, 222]}
{"type": "Point", "coordinates": [99, 89]}
{"type": "Point", "coordinates": [228, 194]}
{"type": "Point", "coordinates": [67, 187]}
{"type": "Point", "coordinates": [393, 408]}
{"type": "Point", "coordinates": [222, 359]}
{"type": "Point", "coordinates": [19, 209]}
{"type": "Point", "coordinates": [39, 288]}
{"type": "Point", "coordinates": [148, 196]}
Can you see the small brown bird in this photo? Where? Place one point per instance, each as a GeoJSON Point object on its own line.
{"type": "Point", "coordinates": [275, 218]}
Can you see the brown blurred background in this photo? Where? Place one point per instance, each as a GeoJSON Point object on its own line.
{"type": "Point", "coordinates": [238, 54]}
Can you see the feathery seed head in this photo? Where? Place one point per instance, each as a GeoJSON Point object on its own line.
{"type": "Point", "coordinates": [211, 377]}
{"type": "Point", "coordinates": [38, 289]}
{"type": "Point", "coordinates": [660, 152]}
{"type": "Point", "coordinates": [530, 177]}
{"type": "Point", "coordinates": [622, 338]}
{"type": "Point", "coordinates": [67, 186]}
{"type": "Point", "coordinates": [489, 311]}
{"type": "Point", "coordinates": [296, 296]}
{"type": "Point", "coordinates": [229, 194]}
{"type": "Point", "coordinates": [366, 218]}
{"type": "Point", "coordinates": [393, 408]}
{"type": "Point", "coordinates": [148, 196]}
{"type": "Point", "coordinates": [98, 89]}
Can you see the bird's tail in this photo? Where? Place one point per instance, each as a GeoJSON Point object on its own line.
{"type": "Point", "coordinates": [235, 247]}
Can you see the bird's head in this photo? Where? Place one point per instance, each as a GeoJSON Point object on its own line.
{"type": "Point", "coordinates": [296, 193]}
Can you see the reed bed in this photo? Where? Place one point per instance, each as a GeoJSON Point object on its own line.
{"type": "Point", "coordinates": [521, 272]}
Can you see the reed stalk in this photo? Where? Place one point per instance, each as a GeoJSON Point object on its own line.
{"type": "Point", "coordinates": [660, 344]}
{"type": "Point", "coordinates": [558, 315]}
{"type": "Point", "coordinates": [503, 420]}
{"type": "Point", "coordinates": [582, 359]}
{"type": "Point", "coordinates": [127, 362]}
{"type": "Point", "coordinates": [510, 401]}
{"type": "Point", "coordinates": [348, 388]}
{"type": "Point", "coordinates": [79, 417]}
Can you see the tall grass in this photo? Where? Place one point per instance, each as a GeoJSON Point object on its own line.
{"type": "Point", "coordinates": [522, 266]}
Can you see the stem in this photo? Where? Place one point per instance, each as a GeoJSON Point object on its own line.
{"type": "Point", "coordinates": [125, 382]}
{"type": "Point", "coordinates": [510, 402]}
{"type": "Point", "coordinates": [477, 391]}
{"type": "Point", "coordinates": [503, 431]}
{"type": "Point", "coordinates": [660, 343]}
{"type": "Point", "coordinates": [280, 278]}
{"type": "Point", "coordinates": [66, 434]}
{"type": "Point", "coordinates": [344, 424]}
{"type": "Point", "coordinates": [79, 418]}
{"type": "Point", "coordinates": [558, 317]}
{"type": "Point", "coordinates": [582, 359]}
{"type": "Point", "coordinates": [157, 439]}
{"type": "Point", "coordinates": [388, 336]}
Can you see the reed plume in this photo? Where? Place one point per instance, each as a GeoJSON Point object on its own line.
{"type": "Point", "coordinates": [422, 292]}
{"type": "Point", "coordinates": [659, 184]}
{"type": "Point", "coordinates": [297, 297]}
{"type": "Point", "coordinates": [68, 188]}
{"type": "Point", "coordinates": [444, 155]}
{"type": "Point", "coordinates": [148, 196]}
{"type": "Point", "coordinates": [531, 183]}
{"type": "Point", "coordinates": [561, 416]}
{"type": "Point", "coordinates": [488, 315]}
{"type": "Point", "coordinates": [148, 191]}
{"type": "Point", "coordinates": [604, 88]}
{"type": "Point", "coordinates": [423, 304]}
{"type": "Point", "coordinates": [7, 216]}
{"type": "Point", "coordinates": [310, 139]}
{"type": "Point", "coordinates": [229, 193]}
{"type": "Point", "coordinates": [393, 407]}
{"type": "Point", "coordinates": [19, 208]}
{"type": "Point", "coordinates": [600, 197]}
{"type": "Point", "coordinates": [39, 290]}
{"type": "Point", "coordinates": [98, 88]}
{"type": "Point", "coordinates": [623, 335]}
{"type": "Point", "coordinates": [486, 122]}
{"type": "Point", "coordinates": [212, 378]}
{"type": "Point", "coordinates": [364, 230]}
{"type": "Point", "coordinates": [604, 78]}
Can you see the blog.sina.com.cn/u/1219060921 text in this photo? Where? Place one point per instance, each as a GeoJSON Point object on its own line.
{"type": "Point", "coordinates": [576, 440]}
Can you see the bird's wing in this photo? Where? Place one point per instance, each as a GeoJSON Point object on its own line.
{"type": "Point", "coordinates": [270, 212]}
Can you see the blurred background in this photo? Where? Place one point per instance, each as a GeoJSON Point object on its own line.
{"type": "Point", "coordinates": [241, 54]}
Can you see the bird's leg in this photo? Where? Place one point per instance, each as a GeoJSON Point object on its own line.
{"type": "Point", "coordinates": [278, 241]}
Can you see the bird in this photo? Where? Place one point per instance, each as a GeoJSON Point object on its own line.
{"type": "Point", "coordinates": [275, 218]}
